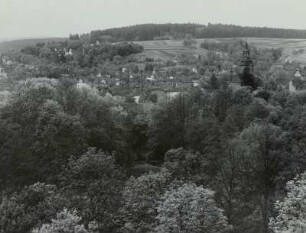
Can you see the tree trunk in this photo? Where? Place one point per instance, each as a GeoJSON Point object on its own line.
{"type": "Point", "coordinates": [265, 210]}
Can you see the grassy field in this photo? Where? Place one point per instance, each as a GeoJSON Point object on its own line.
{"type": "Point", "coordinates": [294, 50]}
{"type": "Point", "coordinates": [169, 49]}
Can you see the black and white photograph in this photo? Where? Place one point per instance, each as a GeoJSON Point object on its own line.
{"type": "Point", "coordinates": [152, 116]}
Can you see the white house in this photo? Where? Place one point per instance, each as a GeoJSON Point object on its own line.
{"type": "Point", "coordinates": [195, 83]}
{"type": "Point", "coordinates": [117, 83]}
{"type": "Point", "coordinates": [66, 52]}
{"type": "Point", "coordinates": [151, 79]}
{"type": "Point", "coordinates": [292, 88]}
{"type": "Point", "coordinates": [194, 70]}
{"type": "Point", "coordinates": [136, 99]}
{"type": "Point", "coordinates": [172, 94]}
{"type": "Point", "coordinates": [301, 79]}
{"type": "Point", "coordinates": [297, 74]}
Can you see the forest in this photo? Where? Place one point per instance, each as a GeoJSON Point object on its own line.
{"type": "Point", "coordinates": [98, 139]}
{"type": "Point", "coordinates": [145, 32]}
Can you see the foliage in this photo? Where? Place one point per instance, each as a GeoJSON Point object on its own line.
{"type": "Point", "coordinates": [93, 184]}
{"type": "Point", "coordinates": [65, 222]}
{"type": "Point", "coordinates": [141, 196]}
{"type": "Point", "coordinates": [80, 53]}
{"type": "Point", "coordinates": [189, 41]}
{"type": "Point", "coordinates": [184, 165]}
{"type": "Point", "coordinates": [190, 209]}
{"type": "Point", "coordinates": [291, 211]}
{"type": "Point", "coordinates": [34, 205]}
{"type": "Point", "coordinates": [150, 31]}
{"type": "Point", "coordinates": [261, 155]}
{"type": "Point", "coordinates": [167, 127]}
{"type": "Point", "coordinates": [47, 135]}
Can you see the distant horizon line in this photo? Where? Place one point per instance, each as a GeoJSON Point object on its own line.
{"type": "Point", "coordinates": [7, 39]}
{"type": "Point", "coordinates": [12, 38]}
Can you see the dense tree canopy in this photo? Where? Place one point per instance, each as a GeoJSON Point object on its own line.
{"type": "Point", "coordinates": [167, 31]}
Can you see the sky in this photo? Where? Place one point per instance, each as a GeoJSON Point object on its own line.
{"type": "Point", "coordinates": [59, 18]}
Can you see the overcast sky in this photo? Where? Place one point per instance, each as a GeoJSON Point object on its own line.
{"type": "Point", "coordinates": [59, 18]}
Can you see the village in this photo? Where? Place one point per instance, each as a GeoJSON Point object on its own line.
{"type": "Point", "coordinates": [147, 80]}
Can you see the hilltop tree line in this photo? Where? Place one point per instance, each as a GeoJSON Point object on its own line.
{"type": "Point", "coordinates": [179, 31]}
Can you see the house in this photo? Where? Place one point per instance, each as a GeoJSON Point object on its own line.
{"type": "Point", "coordinates": [194, 70]}
{"type": "Point", "coordinates": [172, 94]}
{"type": "Point", "coordinates": [151, 79]}
{"type": "Point", "coordinates": [195, 83]}
{"type": "Point", "coordinates": [136, 99]}
{"type": "Point", "coordinates": [68, 53]}
{"type": "Point", "coordinates": [292, 88]}
{"type": "Point", "coordinates": [297, 74]}
{"type": "Point", "coordinates": [297, 83]}
{"type": "Point", "coordinates": [7, 62]}
{"type": "Point", "coordinates": [3, 75]}
{"type": "Point", "coordinates": [117, 82]}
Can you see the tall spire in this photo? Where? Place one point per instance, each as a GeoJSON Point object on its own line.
{"type": "Point", "coordinates": [246, 61]}
{"type": "Point", "coordinates": [246, 44]}
{"type": "Point", "coordinates": [247, 78]}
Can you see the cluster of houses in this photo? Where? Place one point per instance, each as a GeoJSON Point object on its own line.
{"type": "Point", "coordinates": [178, 80]}
{"type": "Point", "coordinates": [6, 61]}
{"type": "Point", "coordinates": [154, 78]}
{"type": "Point", "coordinates": [65, 52]}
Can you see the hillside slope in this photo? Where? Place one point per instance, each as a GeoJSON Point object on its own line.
{"type": "Point", "coordinates": [147, 32]}
{"type": "Point", "coordinates": [294, 50]}
{"type": "Point", "coordinates": [168, 49]}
